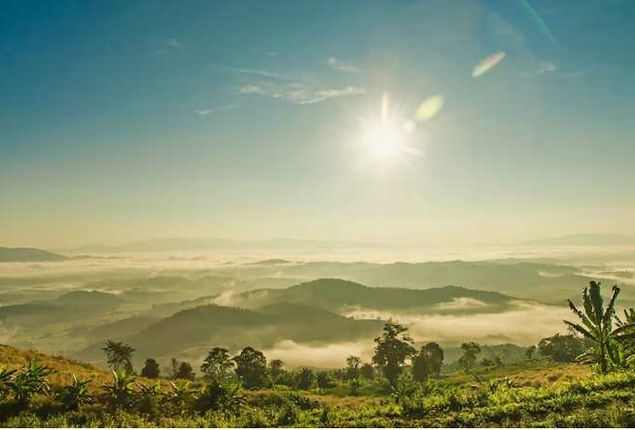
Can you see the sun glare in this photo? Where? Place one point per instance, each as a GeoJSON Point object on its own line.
{"type": "Point", "coordinates": [385, 136]}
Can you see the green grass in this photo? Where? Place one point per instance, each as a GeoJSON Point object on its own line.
{"type": "Point", "coordinates": [530, 394]}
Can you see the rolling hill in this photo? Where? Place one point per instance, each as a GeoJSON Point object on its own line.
{"type": "Point", "coordinates": [17, 255]}
{"type": "Point", "coordinates": [203, 327]}
{"type": "Point", "coordinates": [339, 295]}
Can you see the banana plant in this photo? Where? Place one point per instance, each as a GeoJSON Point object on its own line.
{"type": "Point", "coordinates": [75, 394]}
{"type": "Point", "coordinates": [597, 326]}
{"type": "Point", "coordinates": [120, 392]}
{"type": "Point", "coordinates": [29, 380]}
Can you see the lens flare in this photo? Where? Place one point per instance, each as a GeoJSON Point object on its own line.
{"type": "Point", "coordinates": [429, 108]}
{"type": "Point", "coordinates": [488, 64]}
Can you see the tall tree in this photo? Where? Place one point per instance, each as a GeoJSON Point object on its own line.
{"type": "Point", "coordinates": [217, 365]}
{"type": "Point", "coordinates": [185, 371]}
{"type": "Point", "coordinates": [119, 356]}
{"type": "Point", "coordinates": [561, 348]}
{"type": "Point", "coordinates": [251, 368]}
{"type": "Point", "coordinates": [304, 379]}
{"type": "Point", "coordinates": [150, 369]}
{"type": "Point", "coordinates": [353, 364]}
{"type": "Point", "coordinates": [597, 326]}
{"type": "Point", "coordinates": [276, 369]}
{"type": "Point", "coordinates": [392, 349]}
{"type": "Point", "coordinates": [421, 368]}
{"type": "Point", "coordinates": [367, 371]}
{"type": "Point", "coordinates": [470, 351]}
{"type": "Point", "coordinates": [435, 356]}
{"type": "Point", "coordinates": [529, 352]}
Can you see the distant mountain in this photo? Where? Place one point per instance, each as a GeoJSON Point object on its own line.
{"type": "Point", "coordinates": [185, 244]}
{"type": "Point", "coordinates": [587, 240]}
{"type": "Point", "coordinates": [544, 281]}
{"type": "Point", "coordinates": [340, 295]}
{"type": "Point", "coordinates": [68, 307]}
{"type": "Point", "coordinates": [204, 327]}
{"type": "Point", "coordinates": [15, 255]}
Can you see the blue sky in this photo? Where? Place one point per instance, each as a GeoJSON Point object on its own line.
{"type": "Point", "coordinates": [123, 120]}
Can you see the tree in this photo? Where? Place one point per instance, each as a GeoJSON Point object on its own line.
{"type": "Point", "coordinates": [323, 380]}
{"type": "Point", "coordinates": [486, 362]}
{"type": "Point", "coordinates": [151, 369]}
{"type": "Point", "coordinates": [353, 364]}
{"type": "Point", "coordinates": [597, 327]}
{"type": "Point", "coordinates": [367, 371]}
{"type": "Point", "coordinates": [435, 357]}
{"type": "Point", "coordinates": [470, 351]}
{"type": "Point", "coordinates": [185, 371]}
{"type": "Point", "coordinates": [420, 366]}
{"type": "Point", "coordinates": [561, 348]}
{"type": "Point", "coordinates": [174, 367]}
{"type": "Point", "coordinates": [119, 355]}
{"type": "Point", "coordinates": [217, 365]}
{"type": "Point", "coordinates": [529, 352]}
{"type": "Point", "coordinates": [276, 369]}
{"type": "Point", "coordinates": [304, 379]}
{"type": "Point", "coordinates": [251, 368]}
{"type": "Point", "coordinates": [392, 349]}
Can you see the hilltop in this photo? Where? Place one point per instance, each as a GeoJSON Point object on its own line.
{"type": "Point", "coordinates": [35, 255]}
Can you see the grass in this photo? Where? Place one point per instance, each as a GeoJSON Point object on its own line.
{"type": "Point", "coordinates": [530, 394]}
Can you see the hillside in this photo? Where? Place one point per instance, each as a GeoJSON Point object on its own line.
{"type": "Point", "coordinates": [204, 326]}
{"type": "Point", "coordinates": [339, 295]}
{"type": "Point", "coordinates": [535, 393]}
{"type": "Point", "coordinates": [15, 255]}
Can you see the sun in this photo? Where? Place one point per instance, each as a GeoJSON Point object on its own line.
{"type": "Point", "coordinates": [384, 137]}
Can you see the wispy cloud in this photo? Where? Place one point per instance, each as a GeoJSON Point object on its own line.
{"type": "Point", "coordinates": [207, 111]}
{"type": "Point", "coordinates": [170, 45]}
{"type": "Point", "coordinates": [173, 43]}
{"type": "Point", "coordinates": [299, 93]}
{"type": "Point", "coordinates": [342, 66]}
{"type": "Point", "coordinates": [263, 73]}
{"type": "Point", "coordinates": [548, 68]}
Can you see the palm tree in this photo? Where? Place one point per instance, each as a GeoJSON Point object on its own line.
{"type": "Point", "coordinates": [597, 327]}
{"type": "Point", "coordinates": [119, 355]}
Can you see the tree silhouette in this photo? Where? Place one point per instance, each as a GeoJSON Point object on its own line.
{"type": "Point", "coordinates": [276, 369]}
{"type": "Point", "coordinates": [392, 349]}
{"type": "Point", "coordinates": [217, 365]}
{"type": "Point", "coordinates": [561, 348]}
{"type": "Point", "coordinates": [185, 371]}
{"type": "Point", "coordinates": [597, 327]}
{"type": "Point", "coordinates": [304, 379]}
{"type": "Point", "coordinates": [151, 369]}
{"type": "Point", "coordinates": [251, 368]}
{"type": "Point", "coordinates": [353, 364]}
{"type": "Point", "coordinates": [119, 356]}
{"type": "Point", "coordinates": [470, 351]}
{"type": "Point", "coordinates": [421, 368]}
{"type": "Point", "coordinates": [367, 371]}
{"type": "Point", "coordinates": [529, 352]}
{"type": "Point", "coordinates": [435, 356]}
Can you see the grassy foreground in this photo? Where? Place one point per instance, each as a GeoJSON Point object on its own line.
{"type": "Point", "coordinates": [532, 394]}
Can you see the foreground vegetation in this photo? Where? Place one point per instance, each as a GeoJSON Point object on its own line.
{"type": "Point", "coordinates": [401, 386]}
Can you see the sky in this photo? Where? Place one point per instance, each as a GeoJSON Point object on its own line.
{"type": "Point", "coordinates": [348, 120]}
